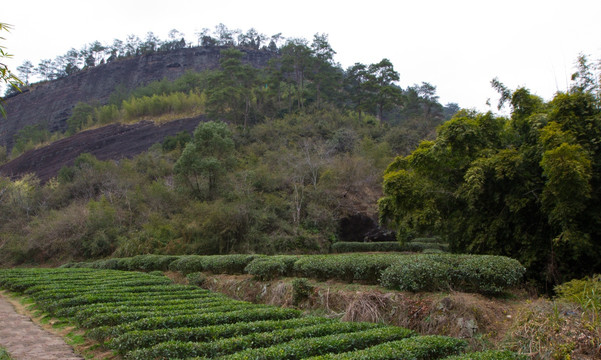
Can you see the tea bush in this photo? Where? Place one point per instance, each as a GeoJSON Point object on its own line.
{"type": "Point", "coordinates": [270, 267]}
{"type": "Point", "coordinates": [416, 348]}
{"type": "Point", "coordinates": [348, 246]}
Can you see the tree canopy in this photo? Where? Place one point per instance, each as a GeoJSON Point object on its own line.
{"type": "Point", "coordinates": [6, 76]}
{"type": "Point", "coordinates": [527, 186]}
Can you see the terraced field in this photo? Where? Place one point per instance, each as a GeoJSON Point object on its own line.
{"type": "Point", "coordinates": [144, 316]}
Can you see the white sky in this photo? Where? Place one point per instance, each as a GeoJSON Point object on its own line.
{"type": "Point", "coordinates": [458, 45]}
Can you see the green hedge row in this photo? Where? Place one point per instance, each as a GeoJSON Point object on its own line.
{"type": "Point", "coordinates": [435, 239]}
{"type": "Point", "coordinates": [218, 264]}
{"type": "Point", "coordinates": [408, 272]}
{"type": "Point", "coordinates": [132, 304]}
{"type": "Point", "coordinates": [270, 267]}
{"type": "Point", "coordinates": [117, 308]}
{"type": "Point", "coordinates": [415, 246]}
{"type": "Point", "coordinates": [388, 246]}
{"type": "Point", "coordinates": [347, 267]}
{"type": "Point", "coordinates": [113, 319]}
{"type": "Point", "coordinates": [302, 348]}
{"type": "Point", "coordinates": [415, 348]}
{"type": "Point", "coordinates": [52, 306]}
{"type": "Point", "coordinates": [221, 347]}
{"type": "Point", "coordinates": [196, 320]}
{"type": "Point", "coordinates": [349, 246]}
{"type": "Point", "coordinates": [147, 338]}
{"type": "Point", "coordinates": [482, 273]}
{"type": "Point", "coordinates": [147, 320]}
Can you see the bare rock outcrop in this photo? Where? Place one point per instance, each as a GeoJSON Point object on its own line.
{"type": "Point", "coordinates": [111, 142]}
{"type": "Point", "coordinates": [51, 103]}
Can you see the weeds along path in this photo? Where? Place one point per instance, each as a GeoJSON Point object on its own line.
{"type": "Point", "coordinates": [25, 340]}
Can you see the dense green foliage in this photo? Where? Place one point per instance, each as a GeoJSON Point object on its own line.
{"type": "Point", "coordinates": [305, 142]}
{"type": "Point", "coordinates": [418, 272]}
{"type": "Point", "coordinates": [422, 347]}
{"type": "Point", "coordinates": [120, 310]}
{"type": "Point", "coordinates": [6, 75]}
{"type": "Point", "coordinates": [526, 186]}
{"type": "Point", "coordinates": [485, 273]}
{"type": "Point", "coordinates": [270, 267]}
{"type": "Point", "coordinates": [4, 355]}
{"type": "Point", "coordinates": [349, 246]}
{"type": "Point", "coordinates": [415, 245]}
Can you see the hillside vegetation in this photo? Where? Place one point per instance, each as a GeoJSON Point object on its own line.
{"type": "Point", "coordinates": [526, 186]}
{"type": "Point", "coordinates": [303, 144]}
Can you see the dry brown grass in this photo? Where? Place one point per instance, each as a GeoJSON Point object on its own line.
{"type": "Point", "coordinates": [553, 330]}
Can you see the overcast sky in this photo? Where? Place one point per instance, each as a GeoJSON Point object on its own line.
{"type": "Point", "coordinates": [458, 46]}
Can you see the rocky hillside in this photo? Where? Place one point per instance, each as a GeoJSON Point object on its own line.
{"type": "Point", "coordinates": [51, 103]}
{"type": "Point", "coordinates": [111, 142]}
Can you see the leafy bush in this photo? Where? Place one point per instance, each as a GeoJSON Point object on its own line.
{"type": "Point", "coordinates": [417, 273]}
{"type": "Point", "coordinates": [146, 338]}
{"type": "Point", "coordinates": [4, 355]}
{"type": "Point", "coordinates": [435, 239]}
{"type": "Point", "coordinates": [415, 246]}
{"type": "Point", "coordinates": [151, 262]}
{"type": "Point", "coordinates": [475, 273]}
{"type": "Point", "coordinates": [196, 278]}
{"type": "Point", "coordinates": [301, 348]}
{"type": "Point", "coordinates": [489, 355]}
{"type": "Point", "coordinates": [301, 290]}
{"type": "Point", "coordinates": [218, 264]}
{"type": "Point", "coordinates": [220, 346]}
{"type": "Point", "coordinates": [487, 273]}
{"type": "Point", "coordinates": [348, 246]}
{"type": "Point", "coordinates": [227, 264]}
{"type": "Point", "coordinates": [348, 267]}
{"type": "Point", "coordinates": [187, 264]}
{"type": "Point", "coordinates": [417, 348]}
{"type": "Point", "coordinates": [270, 267]}
{"type": "Point", "coordinates": [199, 320]}
{"type": "Point", "coordinates": [585, 292]}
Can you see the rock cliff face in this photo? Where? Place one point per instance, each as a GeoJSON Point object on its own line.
{"type": "Point", "coordinates": [111, 142]}
{"type": "Point", "coordinates": [51, 103]}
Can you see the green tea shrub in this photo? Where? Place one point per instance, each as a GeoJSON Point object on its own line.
{"type": "Point", "coordinates": [302, 348]}
{"type": "Point", "coordinates": [187, 264]}
{"type": "Point", "coordinates": [348, 267]}
{"type": "Point", "coordinates": [151, 262]}
{"type": "Point", "coordinates": [227, 264]}
{"type": "Point", "coordinates": [348, 246]}
{"type": "Point", "coordinates": [270, 267]}
{"type": "Point", "coordinates": [301, 290]}
{"type": "Point", "coordinates": [147, 338]}
{"type": "Point", "coordinates": [434, 239]}
{"type": "Point", "coordinates": [415, 246]}
{"type": "Point", "coordinates": [472, 273]}
{"type": "Point", "coordinates": [487, 273]}
{"type": "Point", "coordinates": [416, 273]}
{"type": "Point", "coordinates": [196, 278]}
{"type": "Point", "coordinates": [415, 348]}
{"type": "Point", "coordinates": [225, 346]}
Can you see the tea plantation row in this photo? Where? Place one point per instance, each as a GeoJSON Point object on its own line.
{"type": "Point", "coordinates": [144, 316]}
{"type": "Point", "coordinates": [409, 272]}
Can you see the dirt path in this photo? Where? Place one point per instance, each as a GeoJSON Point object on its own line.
{"type": "Point", "coordinates": [25, 340]}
